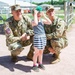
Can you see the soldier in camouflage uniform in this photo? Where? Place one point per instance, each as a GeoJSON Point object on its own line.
{"type": "Point", "coordinates": [18, 31]}
{"type": "Point", "coordinates": [56, 36]}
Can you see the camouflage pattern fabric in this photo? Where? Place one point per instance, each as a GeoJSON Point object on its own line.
{"type": "Point", "coordinates": [30, 53]}
{"type": "Point", "coordinates": [14, 29]}
{"type": "Point", "coordinates": [57, 33]}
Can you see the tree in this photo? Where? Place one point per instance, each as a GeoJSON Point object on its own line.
{"type": "Point", "coordinates": [52, 2]}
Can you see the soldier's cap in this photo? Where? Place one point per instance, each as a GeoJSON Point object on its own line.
{"type": "Point", "coordinates": [15, 7]}
{"type": "Point", "coordinates": [50, 8]}
{"type": "Point", "coordinates": [39, 8]}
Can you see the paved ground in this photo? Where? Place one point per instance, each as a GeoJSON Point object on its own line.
{"type": "Point", "coordinates": [23, 67]}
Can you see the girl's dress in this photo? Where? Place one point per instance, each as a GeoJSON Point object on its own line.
{"type": "Point", "coordinates": [39, 39]}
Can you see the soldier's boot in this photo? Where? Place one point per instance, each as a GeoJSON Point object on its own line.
{"type": "Point", "coordinates": [14, 58]}
{"type": "Point", "coordinates": [14, 54]}
{"type": "Point", "coordinates": [46, 51]}
{"type": "Point", "coordinates": [30, 53]}
{"type": "Point", "coordinates": [56, 58]}
{"type": "Point", "coordinates": [54, 55]}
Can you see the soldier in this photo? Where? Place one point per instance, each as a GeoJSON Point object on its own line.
{"type": "Point", "coordinates": [56, 36]}
{"type": "Point", "coordinates": [18, 31]}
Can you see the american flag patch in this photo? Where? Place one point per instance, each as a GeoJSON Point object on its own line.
{"type": "Point", "coordinates": [8, 31]}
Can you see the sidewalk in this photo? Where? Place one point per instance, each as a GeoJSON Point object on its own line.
{"type": "Point", "coordinates": [23, 67]}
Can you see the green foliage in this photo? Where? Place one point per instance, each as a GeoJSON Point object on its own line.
{"type": "Point", "coordinates": [48, 2]}
{"type": "Point", "coordinates": [3, 16]}
{"type": "Point", "coordinates": [51, 2]}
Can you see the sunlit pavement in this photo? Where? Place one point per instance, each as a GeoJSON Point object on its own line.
{"type": "Point", "coordinates": [24, 67]}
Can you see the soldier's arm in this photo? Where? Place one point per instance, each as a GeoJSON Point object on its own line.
{"type": "Point", "coordinates": [29, 28]}
{"type": "Point", "coordinates": [58, 32]}
{"type": "Point", "coordinates": [9, 33]}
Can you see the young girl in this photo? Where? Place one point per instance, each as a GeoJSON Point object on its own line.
{"type": "Point", "coordinates": [39, 40]}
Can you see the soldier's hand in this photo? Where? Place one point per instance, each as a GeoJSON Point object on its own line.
{"type": "Point", "coordinates": [30, 32]}
{"type": "Point", "coordinates": [28, 37]}
{"type": "Point", "coordinates": [23, 37]}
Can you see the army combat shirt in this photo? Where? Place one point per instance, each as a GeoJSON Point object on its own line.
{"type": "Point", "coordinates": [14, 29]}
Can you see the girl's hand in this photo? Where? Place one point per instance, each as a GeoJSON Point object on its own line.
{"type": "Point", "coordinates": [35, 11]}
{"type": "Point", "coordinates": [43, 15]}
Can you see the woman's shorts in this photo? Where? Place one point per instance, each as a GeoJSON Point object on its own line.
{"type": "Point", "coordinates": [39, 42]}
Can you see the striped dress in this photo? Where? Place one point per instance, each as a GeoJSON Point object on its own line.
{"type": "Point", "coordinates": [39, 40]}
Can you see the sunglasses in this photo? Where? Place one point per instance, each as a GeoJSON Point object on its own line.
{"type": "Point", "coordinates": [18, 10]}
{"type": "Point", "coordinates": [51, 10]}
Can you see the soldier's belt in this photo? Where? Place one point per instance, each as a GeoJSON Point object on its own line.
{"type": "Point", "coordinates": [55, 38]}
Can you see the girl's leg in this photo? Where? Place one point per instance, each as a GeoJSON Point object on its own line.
{"type": "Point", "coordinates": [40, 65]}
{"type": "Point", "coordinates": [36, 52]}
{"type": "Point", "coordinates": [35, 56]}
{"type": "Point", "coordinates": [40, 57]}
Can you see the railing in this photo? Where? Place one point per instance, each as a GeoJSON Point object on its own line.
{"type": "Point", "coordinates": [68, 13]}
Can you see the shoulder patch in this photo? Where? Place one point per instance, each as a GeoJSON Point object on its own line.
{"type": "Point", "coordinates": [7, 31]}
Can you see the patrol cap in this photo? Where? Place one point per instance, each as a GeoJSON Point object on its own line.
{"type": "Point", "coordinates": [15, 7]}
{"type": "Point", "coordinates": [50, 8]}
{"type": "Point", "coordinates": [39, 8]}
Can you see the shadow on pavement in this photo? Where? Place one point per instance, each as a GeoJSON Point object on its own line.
{"type": "Point", "coordinates": [47, 59]}
{"type": "Point", "coordinates": [1, 29]}
{"type": "Point", "coordinates": [7, 63]}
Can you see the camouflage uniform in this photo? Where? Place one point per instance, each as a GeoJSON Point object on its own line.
{"type": "Point", "coordinates": [13, 30]}
{"type": "Point", "coordinates": [56, 35]}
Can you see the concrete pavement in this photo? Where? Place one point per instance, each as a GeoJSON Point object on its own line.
{"type": "Point", "coordinates": [23, 67]}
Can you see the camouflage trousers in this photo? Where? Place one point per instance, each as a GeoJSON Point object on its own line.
{"type": "Point", "coordinates": [17, 47]}
{"type": "Point", "coordinates": [31, 51]}
{"type": "Point", "coordinates": [57, 45]}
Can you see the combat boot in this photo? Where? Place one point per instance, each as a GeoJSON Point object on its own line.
{"type": "Point", "coordinates": [17, 51]}
{"type": "Point", "coordinates": [30, 53]}
{"type": "Point", "coordinates": [54, 55]}
{"type": "Point", "coordinates": [56, 58]}
{"type": "Point", "coordinates": [46, 51]}
{"type": "Point", "coordinates": [14, 58]}
{"type": "Point", "coordinates": [14, 54]}
{"type": "Point", "coordinates": [30, 56]}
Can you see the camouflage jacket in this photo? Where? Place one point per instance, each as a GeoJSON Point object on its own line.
{"type": "Point", "coordinates": [14, 29]}
{"type": "Point", "coordinates": [56, 30]}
